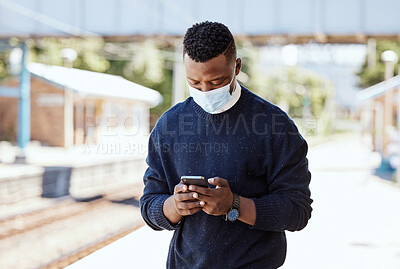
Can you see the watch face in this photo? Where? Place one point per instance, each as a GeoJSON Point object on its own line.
{"type": "Point", "coordinates": [233, 214]}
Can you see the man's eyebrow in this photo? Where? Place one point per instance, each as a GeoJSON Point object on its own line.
{"type": "Point", "coordinates": [219, 78]}
{"type": "Point", "coordinates": [214, 79]}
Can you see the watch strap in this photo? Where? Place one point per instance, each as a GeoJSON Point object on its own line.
{"type": "Point", "coordinates": [236, 201]}
{"type": "Point", "coordinates": [235, 205]}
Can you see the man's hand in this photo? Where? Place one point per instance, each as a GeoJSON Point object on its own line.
{"type": "Point", "coordinates": [217, 201]}
{"type": "Point", "coordinates": [185, 201]}
{"type": "Point", "coordinates": [181, 203]}
{"type": "Point", "coordinates": [188, 200]}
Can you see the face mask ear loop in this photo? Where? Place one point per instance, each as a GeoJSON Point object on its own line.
{"type": "Point", "coordinates": [233, 78]}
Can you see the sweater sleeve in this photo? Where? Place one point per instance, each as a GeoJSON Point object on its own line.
{"type": "Point", "coordinates": [287, 206]}
{"type": "Point", "coordinates": [156, 189]}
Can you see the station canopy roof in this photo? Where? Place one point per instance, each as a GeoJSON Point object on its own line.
{"type": "Point", "coordinates": [93, 84]}
{"type": "Point", "coordinates": [263, 21]}
{"type": "Point", "coordinates": [378, 89]}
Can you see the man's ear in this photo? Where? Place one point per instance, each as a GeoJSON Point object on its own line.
{"type": "Point", "coordinates": [238, 66]}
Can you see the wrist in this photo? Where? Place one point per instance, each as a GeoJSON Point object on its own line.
{"type": "Point", "coordinates": [247, 211]}
{"type": "Point", "coordinates": [233, 212]}
{"type": "Point", "coordinates": [170, 211]}
{"type": "Point", "coordinates": [230, 202]}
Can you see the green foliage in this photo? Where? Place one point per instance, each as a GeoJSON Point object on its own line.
{"type": "Point", "coordinates": [146, 66]}
{"type": "Point", "coordinates": [150, 64]}
{"type": "Point", "coordinates": [300, 90]}
{"type": "Point", "coordinates": [5, 45]}
{"type": "Point", "coordinates": [372, 76]}
{"type": "Point", "coordinates": [47, 51]}
{"type": "Point", "coordinates": [163, 85]}
{"type": "Point", "coordinates": [251, 66]}
{"type": "Point", "coordinates": [3, 65]}
{"type": "Point", "coordinates": [141, 63]}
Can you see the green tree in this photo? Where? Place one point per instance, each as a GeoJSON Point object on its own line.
{"type": "Point", "coordinates": [371, 76]}
{"type": "Point", "coordinates": [297, 89]}
{"type": "Point", "coordinates": [147, 63]}
{"type": "Point", "coordinates": [3, 65]}
{"type": "Point", "coordinates": [300, 90]}
{"type": "Point", "coordinates": [140, 62]}
{"type": "Point", "coordinates": [89, 52]}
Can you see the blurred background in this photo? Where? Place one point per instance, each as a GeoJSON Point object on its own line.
{"type": "Point", "coordinates": [83, 82]}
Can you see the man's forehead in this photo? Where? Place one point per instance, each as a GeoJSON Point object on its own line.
{"type": "Point", "coordinates": [218, 59]}
{"type": "Point", "coordinates": [215, 65]}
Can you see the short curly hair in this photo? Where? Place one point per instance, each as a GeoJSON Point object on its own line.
{"type": "Point", "coordinates": [206, 40]}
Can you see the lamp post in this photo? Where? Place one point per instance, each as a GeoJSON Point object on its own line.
{"type": "Point", "coordinates": [178, 85]}
{"type": "Point", "coordinates": [24, 103]}
{"type": "Point", "coordinates": [389, 58]}
{"type": "Point", "coordinates": [398, 128]}
{"type": "Point", "coordinates": [69, 56]}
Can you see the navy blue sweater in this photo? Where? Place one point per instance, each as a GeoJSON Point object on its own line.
{"type": "Point", "coordinates": [258, 149]}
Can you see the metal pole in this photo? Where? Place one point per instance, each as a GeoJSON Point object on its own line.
{"type": "Point", "coordinates": [178, 86]}
{"type": "Point", "coordinates": [388, 105]}
{"type": "Point", "coordinates": [371, 50]}
{"type": "Point", "coordinates": [68, 118]}
{"type": "Point", "coordinates": [379, 126]}
{"type": "Point", "coordinates": [24, 107]}
{"type": "Point", "coordinates": [389, 58]}
{"type": "Point", "coordinates": [398, 128]}
{"type": "Point", "coordinates": [69, 55]}
{"type": "Point", "coordinates": [398, 135]}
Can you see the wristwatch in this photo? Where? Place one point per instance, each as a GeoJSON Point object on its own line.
{"type": "Point", "coordinates": [233, 213]}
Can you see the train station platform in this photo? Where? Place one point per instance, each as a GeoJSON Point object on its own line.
{"type": "Point", "coordinates": [143, 248]}
{"type": "Point", "coordinates": [51, 172]}
{"type": "Point", "coordinates": [355, 222]}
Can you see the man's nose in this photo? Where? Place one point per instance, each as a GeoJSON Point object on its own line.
{"type": "Point", "coordinates": [205, 87]}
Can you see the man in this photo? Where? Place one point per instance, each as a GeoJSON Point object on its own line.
{"type": "Point", "coordinates": [251, 153]}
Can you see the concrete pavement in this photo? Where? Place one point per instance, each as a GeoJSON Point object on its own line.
{"type": "Point", "coordinates": [356, 217]}
{"type": "Point", "coordinates": [355, 222]}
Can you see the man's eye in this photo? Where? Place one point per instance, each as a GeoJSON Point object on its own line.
{"type": "Point", "coordinates": [216, 83]}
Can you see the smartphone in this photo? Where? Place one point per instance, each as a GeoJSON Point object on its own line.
{"type": "Point", "coordinates": [194, 180]}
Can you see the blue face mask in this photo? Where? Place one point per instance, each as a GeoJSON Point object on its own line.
{"type": "Point", "coordinates": [212, 100]}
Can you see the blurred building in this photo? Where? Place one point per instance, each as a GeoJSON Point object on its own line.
{"type": "Point", "coordinates": [372, 106]}
{"type": "Point", "coordinates": [104, 108]}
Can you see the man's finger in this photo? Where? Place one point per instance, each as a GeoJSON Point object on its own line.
{"type": "Point", "coordinates": [218, 181]}
{"type": "Point", "coordinates": [205, 199]}
{"type": "Point", "coordinates": [188, 205]}
{"type": "Point", "coordinates": [186, 196]}
{"type": "Point", "coordinates": [191, 211]}
{"type": "Point", "coordinates": [201, 190]}
{"type": "Point", "coordinates": [180, 188]}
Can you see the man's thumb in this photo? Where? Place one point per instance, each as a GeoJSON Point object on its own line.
{"type": "Point", "coordinates": [218, 181]}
